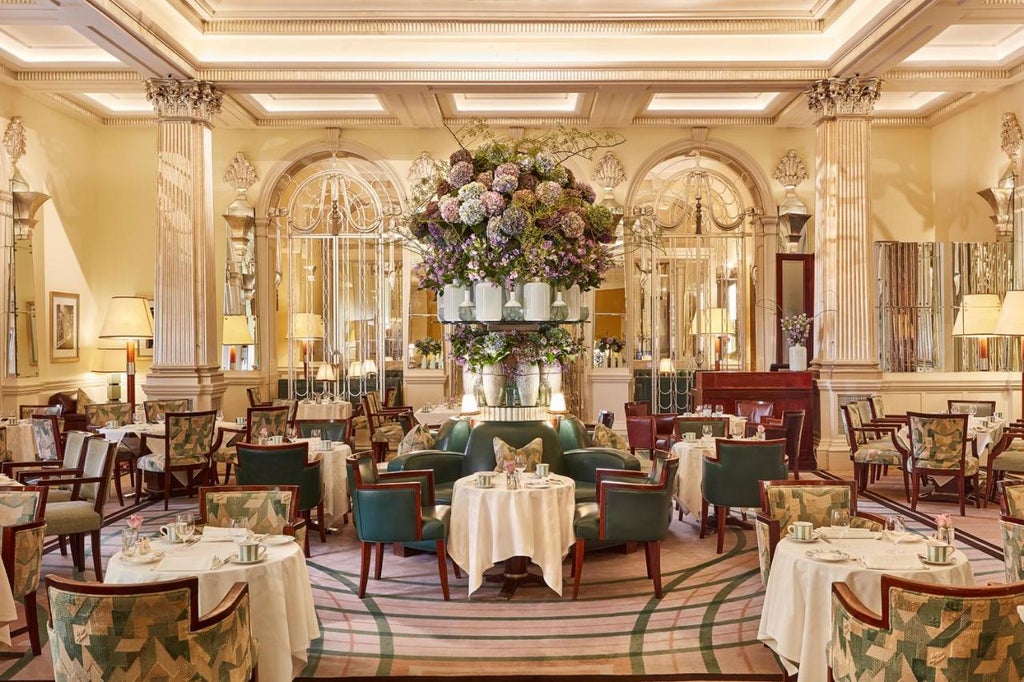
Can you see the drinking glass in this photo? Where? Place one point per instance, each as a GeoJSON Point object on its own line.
{"type": "Point", "coordinates": [706, 431]}
{"type": "Point", "coordinates": [220, 415]}
{"type": "Point", "coordinates": [240, 527]}
{"type": "Point", "coordinates": [186, 526]}
{"type": "Point", "coordinates": [895, 527]}
{"type": "Point", "coordinates": [719, 409]}
{"type": "Point", "coordinates": [314, 434]}
{"type": "Point", "coordinates": [841, 520]}
{"type": "Point", "coordinates": [520, 464]}
{"type": "Point", "coordinates": [736, 428]}
{"type": "Point", "coordinates": [129, 541]}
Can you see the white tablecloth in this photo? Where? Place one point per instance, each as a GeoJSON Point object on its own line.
{"type": "Point", "coordinates": [21, 442]}
{"type": "Point", "coordinates": [494, 524]}
{"type": "Point", "coordinates": [691, 472]}
{"type": "Point", "coordinates": [337, 409]}
{"type": "Point", "coordinates": [283, 614]}
{"type": "Point", "coordinates": [438, 414]}
{"type": "Point", "coordinates": [8, 611]}
{"type": "Point", "coordinates": [797, 614]}
{"type": "Point", "coordinates": [335, 477]}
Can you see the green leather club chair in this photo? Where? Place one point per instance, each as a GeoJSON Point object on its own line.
{"type": "Point", "coordinates": [453, 435]}
{"type": "Point", "coordinates": [631, 507]}
{"type": "Point", "coordinates": [732, 478]}
{"type": "Point", "coordinates": [396, 507]}
{"type": "Point", "coordinates": [337, 430]}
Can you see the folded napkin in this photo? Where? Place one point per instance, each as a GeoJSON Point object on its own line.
{"type": "Point", "coordinates": [891, 562]}
{"type": "Point", "coordinates": [218, 534]}
{"type": "Point", "coordinates": [187, 564]}
{"type": "Point", "coordinates": [831, 533]}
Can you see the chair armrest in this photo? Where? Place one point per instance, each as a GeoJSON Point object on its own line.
{"type": "Point", "coordinates": [69, 481]}
{"type": "Point", "coordinates": [37, 463]}
{"type": "Point", "coordinates": [601, 474]}
{"type": "Point", "coordinates": [423, 477]}
{"type": "Point", "coordinates": [873, 518]}
{"type": "Point", "coordinates": [219, 439]}
{"type": "Point", "coordinates": [46, 473]}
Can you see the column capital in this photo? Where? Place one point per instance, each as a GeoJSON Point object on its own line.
{"type": "Point", "coordinates": [853, 96]}
{"type": "Point", "coordinates": [191, 99]}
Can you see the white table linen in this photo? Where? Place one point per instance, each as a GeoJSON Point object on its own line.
{"type": "Point", "coordinates": [690, 474]}
{"type": "Point", "coordinates": [438, 414]}
{"type": "Point", "coordinates": [334, 409]}
{"type": "Point", "coordinates": [335, 475]}
{"type": "Point", "coordinates": [8, 610]}
{"type": "Point", "coordinates": [797, 613]}
{"type": "Point", "coordinates": [280, 594]}
{"type": "Point", "coordinates": [489, 525]}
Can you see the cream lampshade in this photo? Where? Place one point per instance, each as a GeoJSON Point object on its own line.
{"type": "Point", "coordinates": [128, 319]}
{"type": "Point", "coordinates": [369, 367]}
{"type": "Point", "coordinates": [666, 366]}
{"type": "Point", "coordinates": [325, 373]}
{"type": "Point", "coordinates": [306, 328]}
{"type": "Point", "coordinates": [355, 369]}
{"type": "Point", "coordinates": [1011, 323]}
{"type": "Point", "coordinates": [558, 404]}
{"type": "Point", "coordinates": [977, 317]}
{"type": "Point", "coordinates": [235, 332]}
{"type": "Point", "coordinates": [469, 405]}
{"type": "Point", "coordinates": [713, 322]}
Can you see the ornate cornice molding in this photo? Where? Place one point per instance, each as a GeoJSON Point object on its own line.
{"type": "Point", "coordinates": [523, 122]}
{"type": "Point", "coordinates": [838, 96]}
{"type": "Point", "coordinates": [712, 121]}
{"type": "Point", "coordinates": [191, 99]}
{"type": "Point", "coordinates": [790, 171]}
{"type": "Point", "coordinates": [327, 121]}
{"type": "Point", "coordinates": [240, 174]}
{"type": "Point", "coordinates": [79, 77]}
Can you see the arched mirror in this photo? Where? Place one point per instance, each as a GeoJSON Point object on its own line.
{"type": "Point", "coordinates": [239, 330]}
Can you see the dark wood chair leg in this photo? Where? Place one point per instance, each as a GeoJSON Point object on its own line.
{"type": "Point", "coordinates": [117, 483]}
{"type": "Point", "coordinates": [364, 568]}
{"type": "Point", "coordinates": [652, 550]}
{"type": "Point", "coordinates": [62, 543]}
{"type": "Point", "coordinates": [97, 558]}
{"type": "Point", "coordinates": [442, 569]}
{"type": "Point", "coordinates": [722, 512]}
{"type": "Point", "coordinates": [379, 561]}
{"type": "Point", "coordinates": [962, 493]}
{"type": "Point", "coordinates": [703, 516]}
{"type": "Point", "coordinates": [577, 568]}
{"type": "Point", "coordinates": [456, 569]}
{"type": "Point", "coordinates": [320, 521]}
{"type": "Point", "coordinates": [915, 488]}
{"type": "Point", "coordinates": [138, 486]}
{"type": "Point", "coordinates": [32, 623]}
{"type": "Point", "coordinates": [167, 489]}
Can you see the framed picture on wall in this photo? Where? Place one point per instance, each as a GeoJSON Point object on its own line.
{"type": "Point", "coordinates": [145, 346]}
{"type": "Point", "coordinates": [63, 327]}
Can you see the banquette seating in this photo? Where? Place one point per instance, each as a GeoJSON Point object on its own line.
{"type": "Point", "coordinates": [579, 463]}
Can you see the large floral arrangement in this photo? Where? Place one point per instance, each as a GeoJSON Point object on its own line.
{"type": "Point", "coordinates": [509, 212]}
{"type": "Point", "coordinates": [796, 328]}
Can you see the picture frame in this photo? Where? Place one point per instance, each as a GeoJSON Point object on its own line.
{"type": "Point", "coordinates": [63, 327]}
{"type": "Point", "coordinates": [145, 346]}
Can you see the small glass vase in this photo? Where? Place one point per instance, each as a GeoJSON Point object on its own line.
{"type": "Point", "coordinates": [512, 311]}
{"type": "Point", "coordinates": [467, 310]}
{"type": "Point", "coordinates": [129, 541]}
{"type": "Point", "coordinates": [559, 309]}
{"type": "Point", "coordinates": [946, 535]}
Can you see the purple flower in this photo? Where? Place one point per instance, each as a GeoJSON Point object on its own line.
{"type": "Point", "coordinates": [460, 173]}
{"type": "Point", "coordinates": [507, 169]}
{"type": "Point", "coordinates": [449, 209]}
{"type": "Point", "coordinates": [471, 190]}
{"type": "Point", "coordinates": [460, 156]}
{"type": "Point", "coordinates": [587, 191]}
{"type": "Point", "coordinates": [514, 220]}
{"type": "Point", "coordinates": [544, 163]}
{"type": "Point", "coordinates": [493, 203]}
{"type": "Point", "coordinates": [485, 178]}
{"type": "Point", "coordinates": [573, 225]}
{"type": "Point", "coordinates": [506, 184]}
{"type": "Point", "coordinates": [471, 212]}
{"type": "Point", "coordinates": [549, 192]}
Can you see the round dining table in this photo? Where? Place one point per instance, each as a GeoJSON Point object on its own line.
{"type": "Point", "coordinates": [281, 597]}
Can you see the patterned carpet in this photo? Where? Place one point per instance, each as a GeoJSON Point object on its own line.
{"type": "Point", "coordinates": [703, 629]}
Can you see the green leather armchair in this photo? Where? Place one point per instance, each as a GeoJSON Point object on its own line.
{"type": "Point", "coordinates": [631, 507]}
{"type": "Point", "coordinates": [396, 507]}
{"type": "Point", "coordinates": [337, 430]}
{"type": "Point", "coordinates": [732, 478]}
{"type": "Point", "coordinates": [453, 435]}
{"type": "Point", "coordinates": [286, 464]}
{"type": "Point", "coordinates": [446, 467]}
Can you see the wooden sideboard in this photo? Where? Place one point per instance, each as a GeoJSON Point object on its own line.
{"type": "Point", "coordinates": [787, 390]}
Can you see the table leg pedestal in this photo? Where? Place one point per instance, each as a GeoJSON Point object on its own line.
{"type": "Point", "coordinates": [515, 572]}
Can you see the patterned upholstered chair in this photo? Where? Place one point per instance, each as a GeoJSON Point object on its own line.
{"type": "Point", "coordinates": [938, 447]}
{"type": "Point", "coordinates": [149, 631]}
{"type": "Point", "coordinates": [273, 418]}
{"type": "Point", "coordinates": [291, 403]}
{"type": "Point", "coordinates": [786, 501]}
{"type": "Point", "coordinates": [397, 506]}
{"type": "Point", "coordinates": [47, 434]}
{"type": "Point", "coordinates": [157, 409]}
{"type": "Point", "coordinates": [928, 632]}
{"type": "Point", "coordinates": [1007, 456]}
{"type": "Point", "coordinates": [386, 424]}
{"type": "Point", "coordinates": [982, 408]}
{"type": "Point", "coordinates": [876, 406]}
{"type": "Point", "coordinates": [1012, 501]}
{"type": "Point", "coordinates": [128, 449]}
{"type": "Point", "coordinates": [187, 442]}
{"type": "Point", "coordinates": [83, 513]}
{"type": "Point", "coordinates": [21, 549]}
{"type": "Point", "coordinates": [1013, 547]}
{"type": "Point", "coordinates": [255, 396]}
{"type": "Point", "coordinates": [630, 507]}
{"type": "Point", "coordinates": [26, 411]}
{"type": "Point", "coordinates": [70, 465]}
{"type": "Point", "coordinates": [102, 413]}
{"type": "Point", "coordinates": [270, 509]}
{"type": "Point", "coordinates": [873, 445]}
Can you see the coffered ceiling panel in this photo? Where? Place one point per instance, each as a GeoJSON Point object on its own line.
{"type": "Point", "coordinates": [589, 62]}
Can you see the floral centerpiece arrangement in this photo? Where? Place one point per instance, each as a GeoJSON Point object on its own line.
{"type": "Point", "coordinates": [611, 344]}
{"type": "Point", "coordinates": [796, 329]}
{"type": "Point", "coordinates": [945, 531]}
{"type": "Point", "coordinates": [428, 346]}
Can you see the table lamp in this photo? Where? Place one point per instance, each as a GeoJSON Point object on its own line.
{"type": "Point", "coordinates": [470, 407]}
{"type": "Point", "coordinates": [977, 319]}
{"type": "Point", "coordinates": [714, 322]}
{"type": "Point", "coordinates": [109, 360]}
{"type": "Point", "coordinates": [307, 328]}
{"type": "Point", "coordinates": [1011, 323]}
{"type": "Point", "coordinates": [235, 332]}
{"type": "Point", "coordinates": [129, 320]}
{"type": "Point", "coordinates": [666, 366]}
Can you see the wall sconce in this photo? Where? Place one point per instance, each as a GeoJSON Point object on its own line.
{"type": "Point", "coordinates": [977, 319]}
{"type": "Point", "coordinates": [235, 332]}
{"type": "Point", "coordinates": [793, 215]}
{"type": "Point", "coordinates": [26, 202]}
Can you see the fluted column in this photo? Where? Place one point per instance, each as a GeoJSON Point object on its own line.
{"type": "Point", "coordinates": [846, 335]}
{"type": "Point", "coordinates": [186, 361]}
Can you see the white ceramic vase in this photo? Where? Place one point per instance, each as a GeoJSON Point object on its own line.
{"type": "Point", "coordinates": [537, 301]}
{"type": "Point", "coordinates": [798, 358]}
{"type": "Point", "coordinates": [528, 383]}
{"type": "Point", "coordinates": [492, 379]}
{"type": "Point", "coordinates": [573, 299]}
{"type": "Point", "coordinates": [450, 301]}
{"type": "Point", "coordinates": [488, 301]}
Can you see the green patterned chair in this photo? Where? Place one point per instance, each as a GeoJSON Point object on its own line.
{"type": "Point", "coordinates": [938, 447]}
{"type": "Point", "coordinates": [272, 418]}
{"type": "Point", "coordinates": [100, 414]}
{"type": "Point", "coordinates": [46, 432]}
{"type": "Point", "coordinates": [1012, 500]}
{"type": "Point", "coordinates": [873, 446]}
{"type": "Point", "coordinates": [394, 507]}
{"type": "Point", "coordinates": [104, 413]}
{"type": "Point", "coordinates": [1013, 547]}
{"type": "Point", "coordinates": [1007, 456]}
{"type": "Point", "coordinates": [187, 444]}
{"type": "Point", "coordinates": [786, 501]}
{"type": "Point", "coordinates": [148, 631]}
{"type": "Point", "coordinates": [928, 632]}
{"type": "Point", "coordinates": [631, 507]}
{"type": "Point", "coordinates": [156, 410]}
{"type": "Point", "coordinates": [21, 549]}
{"type": "Point", "coordinates": [270, 509]}
{"type": "Point", "coordinates": [83, 513]}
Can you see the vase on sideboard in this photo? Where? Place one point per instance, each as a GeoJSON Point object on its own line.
{"type": "Point", "coordinates": [798, 358]}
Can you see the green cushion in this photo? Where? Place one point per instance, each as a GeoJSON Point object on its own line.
{"type": "Point", "coordinates": [586, 491]}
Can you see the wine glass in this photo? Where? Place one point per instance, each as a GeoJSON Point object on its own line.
{"type": "Point", "coordinates": [895, 527]}
{"type": "Point", "coordinates": [841, 520]}
{"type": "Point", "coordinates": [736, 428]}
{"type": "Point", "coordinates": [240, 528]}
{"type": "Point", "coordinates": [706, 430]}
{"type": "Point", "coordinates": [314, 434]}
{"type": "Point", "coordinates": [186, 526]}
{"type": "Point", "coordinates": [520, 464]}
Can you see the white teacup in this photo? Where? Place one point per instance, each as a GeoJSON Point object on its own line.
{"type": "Point", "coordinates": [939, 552]}
{"type": "Point", "coordinates": [276, 440]}
{"type": "Point", "coordinates": [543, 469]}
{"type": "Point", "coordinates": [112, 424]}
{"type": "Point", "coordinates": [801, 530]}
{"type": "Point", "coordinates": [240, 420]}
{"type": "Point", "coordinates": [250, 551]}
{"type": "Point", "coordinates": [170, 532]}
{"type": "Point", "coordinates": [485, 479]}
{"type": "Point", "coordinates": [690, 436]}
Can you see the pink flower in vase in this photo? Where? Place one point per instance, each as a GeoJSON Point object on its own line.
{"type": "Point", "coordinates": [510, 467]}
{"type": "Point", "coordinates": [134, 522]}
{"type": "Point", "coordinates": [943, 521]}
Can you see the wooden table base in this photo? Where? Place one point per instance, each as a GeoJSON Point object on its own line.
{"type": "Point", "coordinates": [515, 572]}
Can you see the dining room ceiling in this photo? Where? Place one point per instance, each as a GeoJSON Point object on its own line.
{"type": "Point", "coordinates": [602, 63]}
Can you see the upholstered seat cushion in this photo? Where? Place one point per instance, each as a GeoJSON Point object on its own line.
{"type": "Point", "coordinates": [970, 464]}
{"type": "Point", "coordinates": [443, 492]}
{"type": "Point", "coordinates": [586, 491]}
{"type": "Point", "coordinates": [156, 462]}
{"type": "Point", "coordinates": [1011, 459]}
{"type": "Point", "coordinates": [587, 520]}
{"type": "Point", "coordinates": [65, 518]}
{"type": "Point", "coordinates": [878, 451]}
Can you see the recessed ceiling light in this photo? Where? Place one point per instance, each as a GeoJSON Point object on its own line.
{"type": "Point", "coordinates": [47, 44]}
{"type": "Point", "coordinates": [285, 103]}
{"type": "Point", "coordinates": [972, 43]}
{"type": "Point", "coordinates": [711, 101]}
{"type": "Point", "coordinates": [516, 102]}
{"type": "Point", "coordinates": [121, 102]}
